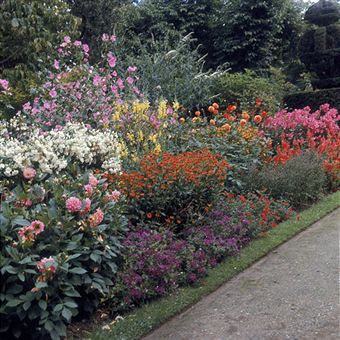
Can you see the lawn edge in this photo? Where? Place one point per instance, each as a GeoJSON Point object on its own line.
{"type": "Point", "coordinates": [150, 316]}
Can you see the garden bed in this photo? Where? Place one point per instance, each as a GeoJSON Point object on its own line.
{"type": "Point", "coordinates": [150, 316]}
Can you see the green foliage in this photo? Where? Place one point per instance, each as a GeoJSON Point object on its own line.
{"type": "Point", "coordinates": [98, 17]}
{"type": "Point", "coordinates": [29, 30]}
{"type": "Point", "coordinates": [314, 99]}
{"type": "Point", "coordinates": [245, 87]}
{"type": "Point", "coordinates": [81, 255]}
{"type": "Point", "coordinates": [256, 34]}
{"type": "Point", "coordinates": [171, 70]}
{"type": "Point", "coordinates": [300, 181]}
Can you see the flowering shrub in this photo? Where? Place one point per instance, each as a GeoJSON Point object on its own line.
{"type": "Point", "coordinates": [50, 152]}
{"type": "Point", "coordinates": [299, 130]}
{"type": "Point", "coordinates": [155, 262]}
{"type": "Point", "coordinates": [173, 189]}
{"type": "Point", "coordinates": [59, 241]}
{"type": "Point", "coordinates": [76, 91]}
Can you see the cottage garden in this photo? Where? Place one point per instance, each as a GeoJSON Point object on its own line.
{"type": "Point", "coordinates": [109, 200]}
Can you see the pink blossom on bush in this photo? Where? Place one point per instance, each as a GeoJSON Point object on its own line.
{"type": "Point", "coordinates": [53, 93]}
{"type": "Point", "coordinates": [111, 59]}
{"type": "Point", "coordinates": [67, 39]}
{"type": "Point", "coordinates": [96, 218]}
{"type": "Point", "coordinates": [26, 234]}
{"type": "Point", "coordinates": [47, 265]}
{"type": "Point", "coordinates": [73, 204]}
{"type": "Point", "coordinates": [132, 69]}
{"type": "Point", "coordinates": [115, 195]}
{"type": "Point", "coordinates": [86, 48]}
{"type": "Point", "coordinates": [87, 205]}
{"type": "Point", "coordinates": [88, 189]}
{"type": "Point", "coordinates": [56, 64]}
{"type": "Point", "coordinates": [105, 37]}
{"type": "Point", "coordinates": [37, 226]}
{"type": "Point", "coordinates": [29, 173]}
{"type": "Point", "coordinates": [93, 181]}
{"type": "Point", "coordinates": [5, 84]}
{"type": "Point", "coordinates": [113, 38]}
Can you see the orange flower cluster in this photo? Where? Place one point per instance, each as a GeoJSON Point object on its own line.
{"type": "Point", "coordinates": [159, 172]}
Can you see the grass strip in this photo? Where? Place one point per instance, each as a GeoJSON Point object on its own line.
{"type": "Point", "coordinates": [150, 316]}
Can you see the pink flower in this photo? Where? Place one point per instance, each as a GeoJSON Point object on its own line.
{"type": "Point", "coordinates": [73, 204]}
{"type": "Point", "coordinates": [88, 189]}
{"type": "Point", "coordinates": [115, 195]}
{"type": "Point", "coordinates": [56, 64]}
{"type": "Point", "coordinates": [87, 205]}
{"type": "Point", "coordinates": [37, 226]}
{"type": "Point", "coordinates": [111, 59]}
{"type": "Point", "coordinates": [105, 37]}
{"type": "Point", "coordinates": [130, 80]}
{"type": "Point", "coordinates": [86, 48]}
{"type": "Point", "coordinates": [47, 265]}
{"type": "Point", "coordinates": [53, 93]}
{"type": "Point", "coordinates": [114, 89]}
{"type": "Point", "coordinates": [27, 106]}
{"type": "Point", "coordinates": [96, 218]}
{"type": "Point", "coordinates": [26, 234]}
{"type": "Point", "coordinates": [132, 69]}
{"type": "Point", "coordinates": [77, 43]}
{"type": "Point", "coordinates": [97, 80]}
{"type": "Point", "coordinates": [113, 38]}
{"type": "Point", "coordinates": [120, 83]}
{"type": "Point", "coordinates": [5, 84]}
{"type": "Point", "coordinates": [29, 173]}
{"type": "Point", "coordinates": [67, 39]}
{"type": "Point", "coordinates": [93, 181]}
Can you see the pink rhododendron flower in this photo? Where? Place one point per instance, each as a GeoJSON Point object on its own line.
{"type": "Point", "coordinates": [26, 234]}
{"type": "Point", "coordinates": [87, 205]}
{"type": "Point", "coordinates": [37, 226]}
{"type": "Point", "coordinates": [73, 204]}
{"type": "Point", "coordinates": [77, 43]}
{"type": "Point", "coordinates": [113, 38]}
{"type": "Point", "coordinates": [96, 218]}
{"type": "Point", "coordinates": [93, 181]}
{"type": "Point", "coordinates": [88, 189]}
{"type": "Point", "coordinates": [29, 173]}
{"type": "Point", "coordinates": [47, 265]}
{"type": "Point", "coordinates": [120, 83]}
{"type": "Point", "coordinates": [115, 195]}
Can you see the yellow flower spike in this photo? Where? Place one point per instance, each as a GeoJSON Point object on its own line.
{"type": "Point", "coordinates": [162, 109]}
{"type": "Point", "coordinates": [176, 105]}
{"type": "Point", "coordinates": [130, 136]}
{"type": "Point", "coordinates": [158, 149]}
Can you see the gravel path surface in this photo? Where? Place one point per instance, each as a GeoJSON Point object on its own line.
{"type": "Point", "coordinates": [292, 293]}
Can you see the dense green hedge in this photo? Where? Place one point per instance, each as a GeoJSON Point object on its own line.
{"type": "Point", "coordinates": [314, 99]}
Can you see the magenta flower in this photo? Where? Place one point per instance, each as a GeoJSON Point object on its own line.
{"type": "Point", "coordinates": [105, 37]}
{"type": "Point", "coordinates": [130, 80]}
{"type": "Point", "coordinates": [56, 64]}
{"type": "Point", "coordinates": [67, 39]}
{"type": "Point", "coordinates": [88, 189]}
{"type": "Point", "coordinates": [113, 38]}
{"type": "Point", "coordinates": [77, 43]}
{"type": "Point", "coordinates": [5, 84]}
{"type": "Point", "coordinates": [115, 195]}
{"type": "Point", "coordinates": [93, 181]}
{"type": "Point", "coordinates": [111, 59]}
{"type": "Point", "coordinates": [53, 93]}
{"type": "Point", "coordinates": [73, 204]}
{"type": "Point", "coordinates": [132, 69]}
{"type": "Point", "coordinates": [37, 226]}
{"type": "Point", "coordinates": [86, 48]}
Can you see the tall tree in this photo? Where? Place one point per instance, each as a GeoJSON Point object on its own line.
{"type": "Point", "coordinates": [248, 37]}
{"type": "Point", "coordinates": [29, 31]}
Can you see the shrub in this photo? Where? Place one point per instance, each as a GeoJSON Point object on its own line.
{"type": "Point", "coordinates": [173, 71]}
{"type": "Point", "coordinates": [24, 146]}
{"type": "Point", "coordinates": [244, 88]}
{"type": "Point", "coordinates": [313, 99]}
{"type": "Point", "coordinates": [59, 241]}
{"type": "Point", "coordinates": [300, 180]}
{"type": "Point", "coordinates": [173, 189]}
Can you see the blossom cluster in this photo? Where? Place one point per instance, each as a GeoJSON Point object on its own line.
{"type": "Point", "coordinates": [50, 152]}
{"type": "Point", "coordinates": [29, 233]}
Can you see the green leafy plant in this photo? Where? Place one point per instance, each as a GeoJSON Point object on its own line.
{"type": "Point", "coordinates": [59, 244]}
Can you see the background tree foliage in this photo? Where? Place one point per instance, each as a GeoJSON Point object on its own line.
{"type": "Point", "coordinates": [29, 31]}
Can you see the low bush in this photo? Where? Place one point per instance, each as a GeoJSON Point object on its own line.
{"type": "Point", "coordinates": [300, 180]}
{"type": "Point", "coordinates": [155, 262]}
{"type": "Point", "coordinates": [244, 88]}
{"type": "Point", "coordinates": [59, 241]}
{"type": "Point", "coordinates": [173, 189]}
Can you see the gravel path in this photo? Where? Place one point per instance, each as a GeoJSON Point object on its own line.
{"type": "Point", "coordinates": [292, 293]}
